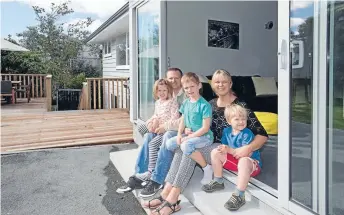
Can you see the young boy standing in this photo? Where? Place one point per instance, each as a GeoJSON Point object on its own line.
{"type": "Point", "coordinates": [233, 137]}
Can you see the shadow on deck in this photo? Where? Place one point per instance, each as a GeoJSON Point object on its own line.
{"type": "Point", "coordinates": [27, 126]}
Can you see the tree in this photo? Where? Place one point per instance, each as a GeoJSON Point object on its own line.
{"type": "Point", "coordinates": [9, 38]}
{"type": "Point", "coordinates": [56, 41]}
{"type": "Point", "coordinates": [22, 62]}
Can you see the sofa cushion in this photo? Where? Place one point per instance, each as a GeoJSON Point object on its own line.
{"type": "Point", "coordinates": [269, 121]}
{"type": "Point", "coordinates": [264, 86]}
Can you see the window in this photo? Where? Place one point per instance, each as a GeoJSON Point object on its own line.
{"type": "Point", "coordinates": [107, 49]}
{"type": "Point", "coordinates": [122, 50]}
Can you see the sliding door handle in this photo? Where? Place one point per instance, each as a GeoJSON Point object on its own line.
{"type": "Point", "coordinates": [283, 55]}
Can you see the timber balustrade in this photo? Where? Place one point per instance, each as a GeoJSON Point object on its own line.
{"type": "Point", "coordinates": [37, 80]}
{"type": "Point", "coordinates": [105, 93]}
{"type": "Point", "coordinates": [48, 92]}
{"type": "Point", "coordinates": [41, 86]}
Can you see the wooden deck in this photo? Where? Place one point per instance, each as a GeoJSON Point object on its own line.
{"type": "Point", "coordinates": [27, 126]}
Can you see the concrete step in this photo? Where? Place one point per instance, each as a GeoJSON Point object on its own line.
{"type": "Point", "coordinates": [124, 161]}
{"type": "Point", "coordinates": [194, 200]}
{"type": "Point", "coordinates": [213, 203]}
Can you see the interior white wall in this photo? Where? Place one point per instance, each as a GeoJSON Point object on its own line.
{"type": "Point", "coordinates": [187, 37]}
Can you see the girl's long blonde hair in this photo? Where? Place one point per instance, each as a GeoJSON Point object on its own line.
{"type": "Point", "coordinates": [162, 82]}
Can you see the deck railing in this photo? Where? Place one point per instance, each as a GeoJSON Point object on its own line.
{"type": "Point", "coordinates": [48, 92]}
{"type": "Point", "coordinates": [38, 82]}
{"type": "Point", "coordinates": [40, 86]}
{"type": "Point", "coordinates": [105, 93]}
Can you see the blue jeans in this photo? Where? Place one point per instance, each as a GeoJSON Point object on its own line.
{"type": "Point", "coordinates": [164, 161]}
{"type": "Point", "coordinates": [142, 160]}
{"type": "Point", "coordinates": [190, 145]}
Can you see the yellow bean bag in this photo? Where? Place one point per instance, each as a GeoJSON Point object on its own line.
{"type": "Point", "coordinates": [269, 121]}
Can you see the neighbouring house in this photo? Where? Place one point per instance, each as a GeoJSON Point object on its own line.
{"type": "Point", "coordinates": [294, 45]}
{"type": "Point", "coordinates": [9, 46]}
{"type": "Point", "coordinates": [87, 57]}
{"type": "Point", "coordinates": [113, 36]}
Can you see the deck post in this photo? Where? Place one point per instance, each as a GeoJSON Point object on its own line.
{"type": "Point", "coordinates": [86, 95]}
{"type": "Point", "coordinates": [48, 92]}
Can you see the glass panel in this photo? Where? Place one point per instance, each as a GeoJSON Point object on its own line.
{"type": "Point", "coordinates": [302, 165]}
{"type": "Point", "coordinates": [267, 180]}
{"type": "Point", "coordinates": [121, 48]}
{"type": "Point", "coordinates": [148, 20]}
{"type": "Point", "coordinates": [335, 43]}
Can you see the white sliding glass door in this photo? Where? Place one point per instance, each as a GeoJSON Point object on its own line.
{"type": "Point", "coordinates": [310, 110]}
{"type": "Point", "coordinates": [147, 34]}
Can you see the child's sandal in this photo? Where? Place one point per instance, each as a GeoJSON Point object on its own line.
{"type": "Point", "coordinates": [174, 207]}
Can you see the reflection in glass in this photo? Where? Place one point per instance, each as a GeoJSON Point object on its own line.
{"type": "Point", "coordinates": [148, 55]}
{"type": "Point", "coordinates": [295, 54]}
{"type": "Point", "coordinates": [335, 44]}
{"type": "Point", "coordinates": [301, 21]}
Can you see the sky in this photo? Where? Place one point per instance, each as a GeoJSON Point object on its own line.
{"type": "Point", "coordinates": [300, 11]}
{"type": "Point", "coordinates": [16, 15]}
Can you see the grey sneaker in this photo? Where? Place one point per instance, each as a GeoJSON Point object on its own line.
{"type": "Point", "coordinates": [235, 202]}
{"type": "Point", "coordinates": [150, 189]}
{"type": "Point", "coordinates": [213, 186]}
{"type": "Point", "coordinates": [132, 184]}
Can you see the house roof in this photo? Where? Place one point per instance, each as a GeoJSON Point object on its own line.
{"type": "Point", "coordinates": [114, 17]}
{"type": "Point", "coordinates": [8, 46]}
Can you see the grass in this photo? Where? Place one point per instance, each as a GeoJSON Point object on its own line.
{"type": "Point", "coordinates": [303, 113]}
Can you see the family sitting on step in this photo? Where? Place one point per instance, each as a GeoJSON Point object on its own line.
{"type": "Point", "coordinates": [186, 130]}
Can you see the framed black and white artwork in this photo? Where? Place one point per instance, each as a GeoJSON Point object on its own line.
{"type": "Point", "coordinates": [223, 34]}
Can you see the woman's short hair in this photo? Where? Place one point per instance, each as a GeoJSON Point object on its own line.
{"type": "Point", "coordinates": [162, 82]}
{"type": "Point", "coordinates": [235, 110]}
{"type": "Point", "coordinates": [223, 73]}
{"type": "Point", "coordinates": [190, 76]}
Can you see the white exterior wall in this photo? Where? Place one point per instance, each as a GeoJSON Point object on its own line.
{"type": "Point", "coordinates": [109, 64]}
{"type": "Point", "coordinates": [110, 70]}
{"type": "Point", "coordinates": [187, 37]}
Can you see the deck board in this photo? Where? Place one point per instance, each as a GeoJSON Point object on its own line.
{"type": "Point", "coordinates": [27, 126]}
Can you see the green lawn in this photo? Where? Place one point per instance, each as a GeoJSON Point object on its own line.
{"type": "Point", "coordinates": [303, 113]}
